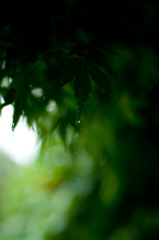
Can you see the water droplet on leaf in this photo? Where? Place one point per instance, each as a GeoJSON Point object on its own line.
{"type": "Point", "coordinates": [78, 122]}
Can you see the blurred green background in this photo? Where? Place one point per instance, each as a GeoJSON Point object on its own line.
{"type": "Point", "coordinates": [100, 182]}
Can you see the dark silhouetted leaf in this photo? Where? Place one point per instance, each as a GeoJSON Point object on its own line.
{"type": "Point", "coordinates": [99, 75]}
{"type": "Point", "coordinates": [66, 72]}
{"type": "Point", "coordinates": [8, 96]}
{"type": "Point", "coordinates": [82, 84]}
{"type": "Point", "coordinates": [19, 98]}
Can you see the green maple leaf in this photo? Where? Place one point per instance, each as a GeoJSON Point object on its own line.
{"type": "Point", "coordinates": [100, 76]}
{"type": "Point", "coordinates": [82, 84]}
{"type": "Point", "coordinates": [19, 84]}
{"type": "Point", "coordinates": [65, 71]}
{"type": "Point", "coordinates": [8, 95]}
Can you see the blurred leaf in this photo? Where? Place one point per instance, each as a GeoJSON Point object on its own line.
{"type": "Point", "coordinates": [63, 131]}
{"type": "Point", "coordinates": [19, 98]}
{"type": "Point", "coordinates": [8, 95]}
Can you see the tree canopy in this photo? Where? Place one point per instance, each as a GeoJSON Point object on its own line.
{"type": "Point", "coordinates": [52, 51]}
{"type": "Point", "coordinates": [90, 70]}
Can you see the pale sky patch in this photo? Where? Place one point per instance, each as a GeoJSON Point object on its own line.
{"type": "Point", "coordinates": [22, 145]}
